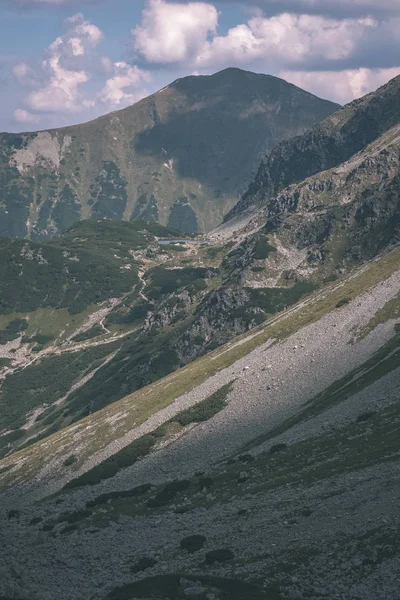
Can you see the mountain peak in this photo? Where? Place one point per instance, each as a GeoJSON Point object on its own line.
{"type": "Point", "coordinates": [181, 157]}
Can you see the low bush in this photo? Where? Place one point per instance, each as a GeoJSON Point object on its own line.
{"type": "Point", "coordinates": [193, 543]}
{"type": "Point", "coordinates": [343, 302]}
{"type": "Point", "coordinates": [71, 460]}
{"type": "Point", "coordinates": [119, 495]}
{"type": "Point", "coordinates": [205, 410]}
{"type": "Point", "coordinates": [13, 514]}
{"type": "Point", "coordinates": [205, 482]}
{"type": "Point", "coordinates": [168, 493]}
{"type": "Point", "coordinates": [41, 339]}
{"type": "Point", "coordinates": [262, 248]}
{"type": "Point", "coordinates": [13, 330]}
{"type": "Point", "coordinates": [221, 555]}
{"type": "Point", "coordinates": [273, 300]}
{"type": "Point", "coordinates": [277, 448]}
{"type": "Point", "coordinates": [366, 416]}
{"type": "Point", "coordinates": [75, 517]}
{"type": "Point", "coordinates": [93, 332]}
{"type": "Point", "coordinates": [142, 564]}
{"type": "Point", "coordinates": [246, 458]}
{"type": "Point", "coordinates": [37, 348]}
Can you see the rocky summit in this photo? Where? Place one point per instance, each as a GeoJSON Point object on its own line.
{"type": "Point", "coordinates": [210, 416]}
{"type": "Point", "coordinates": [182, 156]}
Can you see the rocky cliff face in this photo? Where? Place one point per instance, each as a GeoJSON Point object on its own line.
{"type": "Point", "coordinates": [181, 157]}
{"type": "Point", "coordinates": [330, 143]}
{"type": "Point", "coordinates": [345, 214]}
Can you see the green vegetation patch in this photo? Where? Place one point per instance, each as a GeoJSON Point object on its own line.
{"type": "Point", "coordinates": [93, 332]}
{"type": "Point", "coordinates": [164, 281]}
{"type": "Point", "coordinates": [391, 310]}
{"type": "Point", "coordinates": [205, 410]}
{"type": "Point", "coordinates": [169, 586]}
{"type": "Point", "coordinates": [262, 248]}
{"type": "Point", "coordinates": [273, 300]}
{"type": "Point", "coordinates": [13, 330]}
{"type": "Point", "coordinates": [44, 381]}
{"type": "Point", "coordinates": [125, 315]}
{"type": "Point", "coordinates": [142, 446]}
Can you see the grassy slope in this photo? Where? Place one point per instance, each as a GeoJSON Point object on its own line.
{"type": "Point", "coordinates": [135, 409]}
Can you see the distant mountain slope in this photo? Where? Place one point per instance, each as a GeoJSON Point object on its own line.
{"type": "Point", "coordinates": [330, 143]}
{"type": "Point", "coordinates": [182, 156]}
{"type": "Point", "coordinates": [90, 263]}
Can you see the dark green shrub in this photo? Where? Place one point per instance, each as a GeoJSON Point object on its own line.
{"type": "Point", "coordinates": [70, 460]}
{"type": "Point", "coordinates": [168, 493]}
{"type": "Point", "coordinates": [205, 410]}
{"type": "Point", "coordinates": [37, 348]}
{"type": "Point", "coordinates": [366, 416]}
{"type": "Point", "coordinates": [13, 514]}
{"type": "Point", "coordinates": [262, 249]}
{"type": "Point", "coordinates": [277, 448]}
{"type": "Point", "coordinates": [119, 495]}
{"type": "Point", "coordinates": [175, 247]}
{"type": "Point", "coordinates": [75, 517]}
{"type": "Point", "coordinates": [193, 543]}
{"type": "Point", "coordinates": [167, 281]}
{"type": "Point", "coordinates": [343, 302]}
{"type": "Point", "coordinates": [273, 300]}
{"type": "Point", "coordinates": [94, 331]}
{"type": "Point", "coordinates": [221, 555]}
{"type": "Point", "coordinates": [258, 269]}
{"type": "Point", "coordinates": [205, 482]}
{"type": "Point", "coordinates": [214, 252]}
{"type": "Point", "coordinates": [169, 586]}
{"type": "Point", "coordinates": [42, 339]}
{"type": "Point", "coordinates": [13, 330]}
{"type": "Point", "coordinates": [69, 528]}
{"type": "Point", "coordinates": [246, 458]}
{"type": "Point", "coordinates": [142, 564]}
{"type": "Point", "coordinates": [13, 436]}
{"type": "Point", "coordinates": [5, 469]}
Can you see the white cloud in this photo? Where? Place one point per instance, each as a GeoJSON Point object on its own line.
{"type": "Point", "coordinates": [61, 92]}
{"type": "Point", "coordinates": [286, 39]}
{"type": "Point", "coordinates": [25, 74]}
{"type": "Point", "coordinates": [172, 32]}
{"type": "Point", "coordinates": [107, 64]}
{"type": "Point", "coordinates": [186, 34]}
{"type": "Point", "coordinates": [124, 77]}
{"type": "Point", "coordinates": [61, 76]}
{"type": "Point", "coordinates": [24, 116]}
{"type": "Point", "coordinates": [342, 86]}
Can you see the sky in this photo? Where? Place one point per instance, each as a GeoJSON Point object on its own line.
{"type": "Point", "coordinates": [67, 61]}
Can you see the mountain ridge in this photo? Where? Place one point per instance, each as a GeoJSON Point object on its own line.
{"type": "Point", "coordinates": [182, 156]}
{"type": "Point", "coordinates": [325, 146]}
